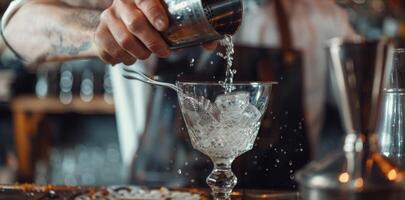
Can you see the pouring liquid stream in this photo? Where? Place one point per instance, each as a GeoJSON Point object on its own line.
{"type": "Point", "coordinates": [229, 74]}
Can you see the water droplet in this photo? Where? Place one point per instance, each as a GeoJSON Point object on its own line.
{"type": "Point", "coordinates": [178, 17]}
{"type": "Point", "coordinates": [220, 55]}
{"type": "Point", "coordinates": [277, 160]}
{"type": "Point", "coordinates": [52, 193]}
{"type": "Point", "coordinates": [186, 163]}
{"type": "Point", "coordinates": [291, 171]}
{"type": "Point", "coordinates": [275, 165]}
{"type": "Point", "coordinates": [255, 157]}
{"type": "Point", "coordinates": [179, 171]}
{"type": "Point", "coordinates": [271, 145]}
{"type": "Point", "coordinates": [267, 169]}
{"type": "Point", "coordinates": [211, 62]}
{"type": "Point", "coordinates": [192, 61]}
{"type": "Point", "coordinates": [192, 180]}
{"type": "Point", "coordinates": [292, 177]}
{"type": "Point", "coordinates": [246, 173]}
{"type": "Point", "coordinates": [290, 163]}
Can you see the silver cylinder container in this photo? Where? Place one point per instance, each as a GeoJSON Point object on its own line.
{"type": "Point", "coordinates": [357, 171]}
{"type": "Point", "coordinates": [194, 22]}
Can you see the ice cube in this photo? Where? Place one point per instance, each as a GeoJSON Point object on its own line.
{"type": "Point", "coordinates": [191, 118]}
{"type": "Point", "coordinates": [188, 102]}
{"type": "Point", "coordinates": [234, 102]}
{"type": "Point", "coordinates": [210, 108]}
{"type": "Point", "coordinates": [201, 106]}
{"type": "Point", "coordinates": [252, 114]}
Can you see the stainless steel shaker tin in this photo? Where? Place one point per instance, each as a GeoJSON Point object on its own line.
{"type": "Point", "coordinates": [357, 171]}
{"type": "Point", "coordinates": [193, 22]}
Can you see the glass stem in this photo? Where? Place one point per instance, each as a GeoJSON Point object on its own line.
{"type": "Point", "coordinates": [222, 180]}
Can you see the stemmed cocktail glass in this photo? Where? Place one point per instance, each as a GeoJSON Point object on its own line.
{"type": "Point", "coordinates": [223, 124]}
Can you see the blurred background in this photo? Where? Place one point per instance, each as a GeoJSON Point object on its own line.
{"type": "Point", "coordinates": [57, 121]}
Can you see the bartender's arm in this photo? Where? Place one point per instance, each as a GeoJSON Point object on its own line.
{"type": "Point", "coordinates": [114, 30]}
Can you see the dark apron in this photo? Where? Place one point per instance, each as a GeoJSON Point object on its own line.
{"type": "Point", "coordinates": [281, 147]}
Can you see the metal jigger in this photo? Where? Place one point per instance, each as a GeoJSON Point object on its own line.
{"type": "Point", "coordinates": [358, 171]}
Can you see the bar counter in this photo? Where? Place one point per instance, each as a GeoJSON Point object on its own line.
{"type": "Point", "coordinates": [51, 192]}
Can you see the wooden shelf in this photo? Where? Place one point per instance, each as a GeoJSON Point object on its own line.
{"type": "Point", "coordinates": [53, 105]}
{"type": "Point", "coordinates": [29, 111]}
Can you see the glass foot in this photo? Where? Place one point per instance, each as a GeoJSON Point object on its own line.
{"type": "Point", "coordinates": [222, 181]}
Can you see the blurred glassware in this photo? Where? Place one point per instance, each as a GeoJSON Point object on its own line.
{"type": "Point", "coordinates": [42, 85]}
{"type": "Point", "coordinates": [83, 164]}
{"type": "Point", "coordinates": [223, 124]}
{"type": "Point", "coordinates": [391, 127]}
{"type": "Point", "coordinates": [107, 86]}
{"type": "Point", "coordinates": [358, 171]}
{"type": "Point", "coordinates": [8, 169]}
{"type": "Point", "coordinates": [6, 79]}
{"type": "Point", "coordinates": [66, 84]}
{"type": "Point", "coordinates": [87, 85]}
{"type": "Point", "coordinates": [375, 18]}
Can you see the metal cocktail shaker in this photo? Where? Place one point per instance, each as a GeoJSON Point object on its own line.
{"type": "Point", "coordinates": [358, 171]}
{"type": "Point", "coordinates": [391, 127]}
{"type": "Point", "coordinates": [193, 22]}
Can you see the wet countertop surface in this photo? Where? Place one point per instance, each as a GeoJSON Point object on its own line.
{"type": "Point", "coordinates": [50, 192]}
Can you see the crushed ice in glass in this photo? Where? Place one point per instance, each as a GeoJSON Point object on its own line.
{"type": "Point", "coordinates": [226, 127]}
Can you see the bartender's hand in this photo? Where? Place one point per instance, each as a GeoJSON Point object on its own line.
{"type": "Point", "coordinates": [129, 30]}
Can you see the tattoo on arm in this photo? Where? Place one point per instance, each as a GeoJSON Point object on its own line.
{"type": "Point", "coordinates": [65, 45]}
{"type": "Point", "coordinates": [60, 47]}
